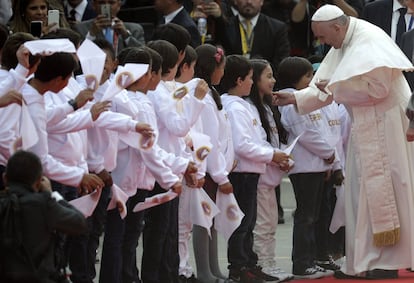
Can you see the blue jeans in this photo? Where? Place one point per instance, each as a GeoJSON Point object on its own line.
{"type": "Point", "coordinates": [83, 248]}
{"type": "Point", "coordinates": [308, 188]}
{"type": "Point", "coordinates": [117, 233]}
{"type": "Point", "coordinates": [240, 245]}
{"type": "Point", "coordinates": [160, 259]}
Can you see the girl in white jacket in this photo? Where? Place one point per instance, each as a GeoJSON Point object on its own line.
{"type": "Point", "coordinates": [210, 67]}
{"type": "Point", "coordinates": [267, 211]}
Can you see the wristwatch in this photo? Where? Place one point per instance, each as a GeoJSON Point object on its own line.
{"type": "Point", "coordinates": [73, 103]}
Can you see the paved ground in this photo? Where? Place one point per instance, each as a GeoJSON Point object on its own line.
{"type": "Point", "coordinates": [284, 234]}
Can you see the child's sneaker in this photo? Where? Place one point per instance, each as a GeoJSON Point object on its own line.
{"type": "Point", "coordinates": [310, 273]}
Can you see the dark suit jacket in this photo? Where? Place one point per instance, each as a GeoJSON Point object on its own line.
{"type": "Point", "coordinates": [183, 19]}
{"type": "Point", "coordinates": [270, 39]}
{"type": "Point", "coordinates": [137, 32]}
{"type": "Point", "coordinates": [379, 13]}
{"type": "Point", "coordinates": [407, 46]}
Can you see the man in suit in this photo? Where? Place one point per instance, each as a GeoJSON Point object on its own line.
{"type": "Point", "coordinates": [262, 37]}
{"type": "Point", "coordinates": [173, 11]}
{"type": "Point", "coordinates": [385, 14]}
{"type": "Point", "coordinates": [117, 32]}
{"type": "Point", "coordinates": [77, 11]}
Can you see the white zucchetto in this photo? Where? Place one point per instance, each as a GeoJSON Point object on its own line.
{"type": "Point", "coordinates": [327, 13]}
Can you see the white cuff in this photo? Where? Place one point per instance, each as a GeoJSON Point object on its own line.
{"type": "Point", "coordinates": [58, 197]}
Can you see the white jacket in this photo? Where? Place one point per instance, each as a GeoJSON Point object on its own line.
{"type": "Point", "coordinates": [217, 125]}
{"type": "Point", "coordinates": [273, 175]}
{"type": "Point", "coordinates": [312, 147]}
{"type": "Point", "coordinates": [252, 153]}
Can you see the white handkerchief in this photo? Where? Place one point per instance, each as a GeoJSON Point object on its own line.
{"type": "Point", "coordinates": [28, 131]}
{"type": "Point", "coordinates": [155, 200]}
{"type": "Point", "coordinates": [230, 215]}
{"type": "Point", "coordinates": [50, 46]}
{"type": "Point", "coordinates": [92, 60]}
{"type": "Point", "coordinates": [124, 77]}
{"type": "Point", "coordinates": [87, 204]}
{"type": "Point", "coordinates": [118, 198]}
{"type": "Point", "coordinates": [201, 144]}
{"type": "Point", "coordinates": [338, 217]}
{"type": "Point", "coordinates": [202, 209]}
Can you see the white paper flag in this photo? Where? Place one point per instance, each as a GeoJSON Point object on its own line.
{"type": "Point", "coordinates": [124, 77]}
{"type": "Point", "coordinates": [338, 217]}
{"type": "Point", "coordinates": [289, 148]}
{"type": "Point", "coordinates": [230, 215]}
{"type": "Point", "coordinates": [92, 60]}
{"type": "Point", "coordinates": [183, 90]}
{"type": "Point", "coordinates": [155, 200]}
{"type": "Point", "coordinates": [136, 140]}
{"type": "Point", "coordinates": [118, 200]}
{"type": "Point", "coordinates": [50, 46]}
{"type": "Point", "coordinates": [201, 144]}
{"type": "Point", "coordinates": [202, 209]}
{"type": "Point", "coordinates": [87, 203]}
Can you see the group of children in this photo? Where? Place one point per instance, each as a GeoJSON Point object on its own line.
{"type": "Point", "coordinates": [82, 145]}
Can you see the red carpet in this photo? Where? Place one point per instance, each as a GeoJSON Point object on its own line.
{"type": "Point", "coordinates": [404, 277]}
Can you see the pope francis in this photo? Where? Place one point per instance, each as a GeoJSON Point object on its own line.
{"type": "Point", "coordinates": [363, 71]}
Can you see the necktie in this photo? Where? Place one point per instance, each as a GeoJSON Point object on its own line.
{"type": "Point", "coordinates": [109, 36]}
{"type": "Point", "coordinates": [72, 15]}
{"type": "Point", "coordinates": [401, 27]}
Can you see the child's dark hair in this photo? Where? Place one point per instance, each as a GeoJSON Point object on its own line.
{"type": "Point", "coordinates": [237, 66]}
{"type": "Point", "coordinates": [209, 57]}
{"type": "Point", "coordinates": [190, 57]}
{"type": "Point", "coordinates": [8, 53]}
{"type": "Point", "coordinates": [68, 33]}
{"type": "Point", "coordinates": [137, 55]}
{"type": "Point", "coordinates": [291, 70]}
{"type": "Point", "coordinates": [258, 66]}
{"type": "Point", "coordinates": [105, 45]}
{"type": "Point", "coordinates": [156, 59]}
{"type": "Point", "coordinates": [168, 53]}
{"type": "Point", "coordinates": [173, 33]}
{"type": "Point", "coordinates": [122, 54]}
{"type": "Point", "coordinates": [58, 64]}
{"type": "Point", "coordinates": [23, 167]}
